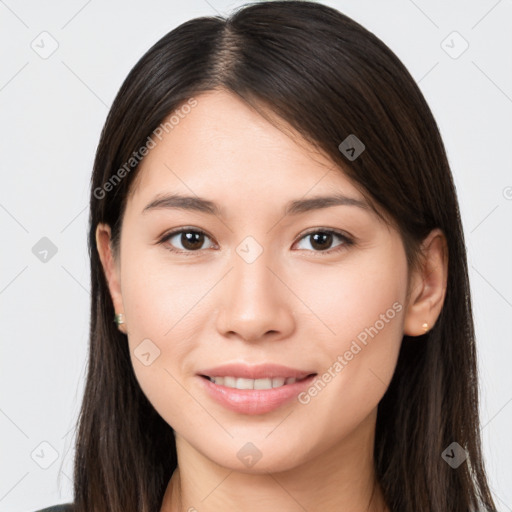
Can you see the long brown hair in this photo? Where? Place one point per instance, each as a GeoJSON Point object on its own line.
{"type": "Point", "coordinates": [327, 77]}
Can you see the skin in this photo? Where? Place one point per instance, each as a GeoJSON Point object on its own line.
{"type": "Point", "coordinates": [294, 305]}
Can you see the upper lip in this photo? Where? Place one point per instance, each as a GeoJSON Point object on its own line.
{"type": "Point", "coordinates": [259, 371]}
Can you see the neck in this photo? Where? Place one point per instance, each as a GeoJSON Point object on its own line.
{"type": "Point", "coordinates": [341, 479]}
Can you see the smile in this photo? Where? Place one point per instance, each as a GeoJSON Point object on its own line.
{"type": "Point", "coordinates": [253, 389]}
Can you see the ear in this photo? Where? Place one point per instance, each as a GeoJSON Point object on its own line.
{"type": "Point", "coordinates": [111, 268]}
{"type": "Point", "coordinates": [427, 286]}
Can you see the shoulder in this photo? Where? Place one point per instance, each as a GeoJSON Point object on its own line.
{"type": "Point", "coordinates": [64, 507]}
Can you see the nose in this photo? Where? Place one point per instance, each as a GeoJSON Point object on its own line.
{"type": "Point", "coordinates": [255, 302]}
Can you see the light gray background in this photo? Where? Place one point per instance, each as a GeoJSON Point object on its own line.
{"type": "Point", "coordinates": [52, 111]}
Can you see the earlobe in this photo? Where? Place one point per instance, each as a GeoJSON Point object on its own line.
{"type": "Point", "coordinates": [110, 268]}
{"type": "Point", "coordinates": [428, 286]}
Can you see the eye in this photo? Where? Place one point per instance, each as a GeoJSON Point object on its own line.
{"type": "Point", "coordinates": [322, 240]}
{"type": "Point", "coordinates": [190, 240]}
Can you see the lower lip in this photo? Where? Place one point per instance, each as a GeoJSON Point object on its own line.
{"type": "Point", "coordinates": [255, 401]}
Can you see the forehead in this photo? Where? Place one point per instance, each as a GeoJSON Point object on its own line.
{"type": "Point", "coordinates": [223, 147]}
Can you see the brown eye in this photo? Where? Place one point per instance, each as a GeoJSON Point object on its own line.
{"type": "Point", "coordinates": [322, 240]}
{"type": "Point", "coordinates": [186, 240]}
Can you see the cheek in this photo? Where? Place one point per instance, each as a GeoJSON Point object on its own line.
{"type": "Point", "coordinates": [161, 296]}
{"type": "Point", "coordinates": [355, 297]}
{"type": "Point", "coordinates": [364, 307]}
{"type": "Point", "coordinates": [163, 313]}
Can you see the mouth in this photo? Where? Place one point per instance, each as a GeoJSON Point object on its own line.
{"type": "Point", "coordinates": [253, 390]}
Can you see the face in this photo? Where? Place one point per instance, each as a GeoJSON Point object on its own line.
{"type": "Point", "coordinates": [319, 291]}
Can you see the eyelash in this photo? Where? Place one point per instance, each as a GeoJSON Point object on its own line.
{"type": "Point", "coordinates": [346, 240]}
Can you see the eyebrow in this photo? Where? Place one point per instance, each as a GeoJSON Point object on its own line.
{"type": "Point", "coordinates": [294, 207]}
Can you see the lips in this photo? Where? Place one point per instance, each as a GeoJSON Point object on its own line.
{"type": "Point", "coordinates": [254, 389]}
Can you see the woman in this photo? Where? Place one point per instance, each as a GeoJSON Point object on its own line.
{"type": "Point", "coordinates": [275, 230]}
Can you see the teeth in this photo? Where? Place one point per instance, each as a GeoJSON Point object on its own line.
{"type": "Point", "coordinates": [244, 384]}
{"type": "Point", "coordinates": [220, 381]}
{"type": "Point", "coordinates": [277, 382]}
{"type": "Point", "coordinates": [262, 383]}
{"type": "Point", "coordinates": [240, 383]}
{"type": "Point", "coordinates": [229, 382]}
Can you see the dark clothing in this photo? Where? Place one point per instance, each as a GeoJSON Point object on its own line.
{"type": "Point", "coordinates": [64, 507]}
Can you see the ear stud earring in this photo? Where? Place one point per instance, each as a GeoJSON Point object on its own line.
{"type": "Point", "coordinates": [425, 327]}
{"type": "Point", "coordinates": [119, 319]}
